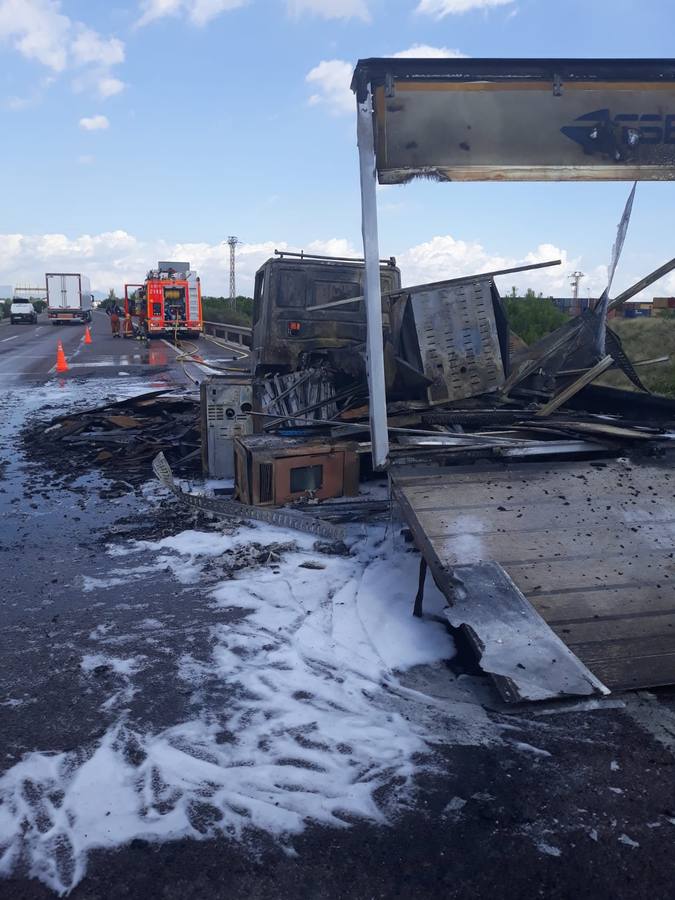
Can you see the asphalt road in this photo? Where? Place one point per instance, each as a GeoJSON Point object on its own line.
{"type": "Point", "coordinates": [591, 813]}
{"type": "Point", "coordinates": [29, 351]}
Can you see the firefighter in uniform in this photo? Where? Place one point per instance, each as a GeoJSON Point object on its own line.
{"type": "Point", "coordinates": [115, 312]}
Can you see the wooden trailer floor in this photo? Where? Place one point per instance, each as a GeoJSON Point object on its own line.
{"type": "Point", "coordinates": [591, 545]}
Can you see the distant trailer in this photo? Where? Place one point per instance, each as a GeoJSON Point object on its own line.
{"type": "Point", "coordinates": [69, 298]}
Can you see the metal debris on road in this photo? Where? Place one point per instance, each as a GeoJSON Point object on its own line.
{"type": "Point", "coordinates": [231, 509]}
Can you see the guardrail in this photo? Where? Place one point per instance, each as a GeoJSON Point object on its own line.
{"type": "Point", "coordinates": [235, 334]}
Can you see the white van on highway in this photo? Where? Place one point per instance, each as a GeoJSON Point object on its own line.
{"type": "Point", "coordinates": [22, 310]}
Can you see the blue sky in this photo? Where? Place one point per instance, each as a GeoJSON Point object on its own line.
{"type": "Point", "coordinates": [145, 127]}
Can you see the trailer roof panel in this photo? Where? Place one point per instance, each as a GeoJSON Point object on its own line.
{"type": "Point", "coordinates": [521, 119]}
{"type": "Point", "coordinates": [377, 70]}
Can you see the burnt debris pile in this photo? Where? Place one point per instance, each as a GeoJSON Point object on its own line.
{"type": "Point", "coordinates": [122, 437]}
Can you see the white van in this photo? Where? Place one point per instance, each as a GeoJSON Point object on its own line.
{"type": "Point", "coordinates": [22, 310]}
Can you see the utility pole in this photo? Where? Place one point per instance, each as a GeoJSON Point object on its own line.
{"type": "Point", "coordinates": [575, 278]}
{"type": "Point", "coordinates": [233, 241]}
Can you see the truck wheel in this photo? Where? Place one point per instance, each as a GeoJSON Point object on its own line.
{"type": "Point", "coordinates": [12, 321]}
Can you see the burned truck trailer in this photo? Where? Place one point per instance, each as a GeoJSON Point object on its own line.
{"type": "Point", "coordinates": [442, 341]}
{"type": "Point", "coordinates": [556, 554]}
{"type": "Point", "coordinates": [308, 307]}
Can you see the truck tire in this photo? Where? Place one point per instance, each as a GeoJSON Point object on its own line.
{"type": "Point", "coordinates": [12, 320]}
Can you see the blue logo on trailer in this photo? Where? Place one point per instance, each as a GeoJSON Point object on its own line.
{"type": "Point", "coordinates": [600, 132]}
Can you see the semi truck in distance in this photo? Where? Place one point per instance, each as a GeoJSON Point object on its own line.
{"type": "Point", "coordinates": [69, 298]}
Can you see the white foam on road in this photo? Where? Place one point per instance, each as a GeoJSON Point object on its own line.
{"type": "Point", "coordinates": [120, 666]}
{"type": "Point", "coordinates": [316, 724]}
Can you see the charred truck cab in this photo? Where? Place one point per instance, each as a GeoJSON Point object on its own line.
{"type": "Point", "coordinates": [302, 312]}
{"type": "Point", "coordinates": [169, 301]}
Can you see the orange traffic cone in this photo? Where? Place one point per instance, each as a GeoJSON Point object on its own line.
{"type": "Point", "coordinates": [87, 336]}
{"type": "Point", "coordinates": [61, 364]}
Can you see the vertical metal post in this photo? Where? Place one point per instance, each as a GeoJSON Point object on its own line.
{"type": "Point", "coordinates": [373, 294]}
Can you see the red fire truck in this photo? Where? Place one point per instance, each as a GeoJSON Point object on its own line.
{"type": "Point", "coordinates": [169, 301]}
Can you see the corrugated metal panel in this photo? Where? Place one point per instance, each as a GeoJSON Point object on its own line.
{"type": "Point", "coordinates": [458, 340]}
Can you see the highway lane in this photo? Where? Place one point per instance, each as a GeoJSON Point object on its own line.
{"type": "Point", "coordinates": [28, 352]}
{"type": "Point", "coordinates": [25, 349]}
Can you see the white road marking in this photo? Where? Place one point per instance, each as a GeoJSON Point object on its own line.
{"type": "Point", "coordinates": [203, 367]}
{"type": "Point", "coordinates": [12, 338]}
{"type": "Point", "coordinates": [227, 345]}
{"type": "Point", "coordinates": [100, 364]}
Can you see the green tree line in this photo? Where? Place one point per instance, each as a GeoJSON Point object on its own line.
{"type": "Point", "coordinates": [214, 309]}
{"type": "Point", "coordinates": [532, 316]}
{"type": "Point", "coordinates": [220, 309]}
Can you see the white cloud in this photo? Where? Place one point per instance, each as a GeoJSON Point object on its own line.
{"type": "Point", "coordinates": [202, 11]}
{"type": "Point", "coordinates": [333, 247]}
{"type": "Point", "coordinates": [37, 29]}
{"type": "Point", "coordinates": [112, 258]}
{"type": "Point", "coordinates": [151, 10]}
{"type": "Point", "coordinates": [447, 257]}
{"type": "Point", "coordinates": [441, 8]}
{"type": "Point", "coordinates": [425, 51]}
{"type": "Point", "coordinates": [199, 12]}
{"type": "Point", "coordinates": [330, 9]}
{"type": "Point", "coordinates": [40, 32]}
{"type": "Point", "coordinates": [332, 79]}
{"type": "Point", "coordinates": [18, 103]}
{"type": "Point", "coordinates": [94, 123]}
{"type": "Point", "coordinates": [10, 249]}
{"type": "Point", "coordinates": [89, 47]}
{"type": "Point", "coordinates": [109, 258]}
{"type": "Point", "coordinates": [108, 87]}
